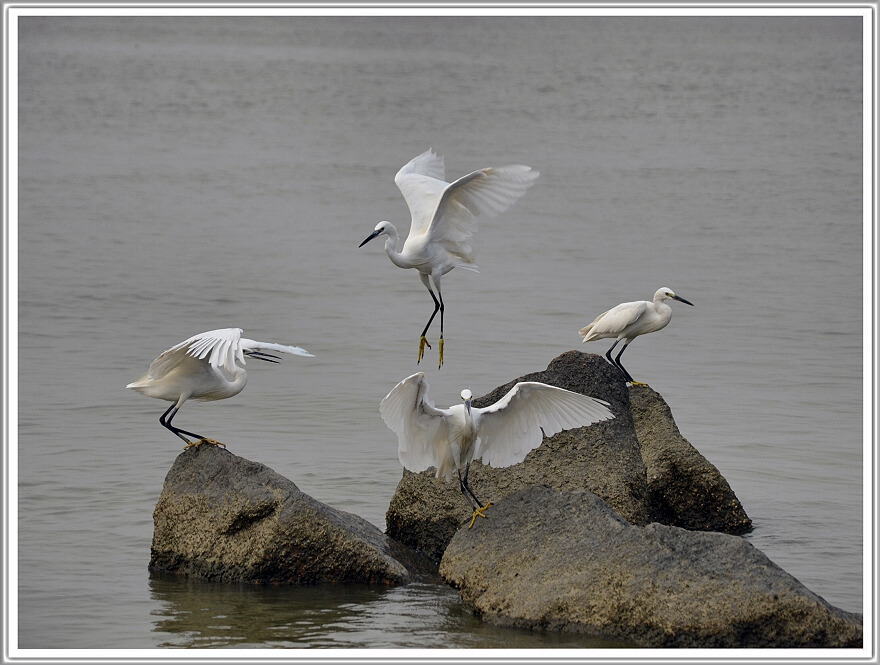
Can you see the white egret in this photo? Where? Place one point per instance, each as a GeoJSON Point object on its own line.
{"type": "Point", "coordinates": [444, 220]}
{"type": "Point", "coordinates": [208, 366]}
{"type": "Point", "coordinates": [629, 320]}
{"type": "Point", "coordinates": [501, 434]}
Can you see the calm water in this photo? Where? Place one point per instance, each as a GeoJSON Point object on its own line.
{"type": "Point", "coordinates": [184, 174]}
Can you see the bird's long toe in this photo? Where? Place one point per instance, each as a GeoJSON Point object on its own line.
{"type": "Point", "coordinates": [478, 512]}
{"type": "Point", "coordinates": [423, 342]}
{"type": "Point", "coordinates": [440, 350]}
{"type": "Point", "coordinates": [210, 442]}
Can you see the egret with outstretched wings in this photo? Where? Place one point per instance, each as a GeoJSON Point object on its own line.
{"type": "Point", "coordinates": [501, 434]}
{"type": "Point", "coordinates": [208, 366]}
{"type": "Point", "coordinates": [444, 219]}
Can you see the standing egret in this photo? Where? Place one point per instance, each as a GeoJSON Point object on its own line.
{"type": "Point", "coordinates": [629, 320]}
{"type": "Point", "coordinates": [444, 220]}
{"type": "Point", "coordinates": [501, 434]}
{"type": "Point", "coordinates": [207, 367]}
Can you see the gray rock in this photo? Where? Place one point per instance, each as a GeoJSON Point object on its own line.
{"type": "Point", "coordinates": [426, 512]}
{"type": "Point", "coordinates": [221, 517]}
{"type": "Point", "coordinates": [565, 561]}
{"type": "Point", "coordinates": [684, 488]}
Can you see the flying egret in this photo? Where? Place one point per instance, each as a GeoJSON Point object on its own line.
{"type": "Point", "coordinates": [501, 434]}
{"type": "Point", "coordinates": [208, 366]}
{"type": "Point", "coordinates": [444, 219]}
{"type": "Point", "coordinates": [629, 320]}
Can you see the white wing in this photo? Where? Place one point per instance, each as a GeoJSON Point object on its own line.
{"type": "Point", "coordinates": [252, 345]}
{"type": "Point", "coordinates": [220, 348]}
{"type": "Point", "coordinates": [615, 320]}
{"type": "Point", "coordinates": [512, 426]}
{"type": "Point", "coordinates": [410, 414]}
{"type": "Point", "coordinates": [422, 181]}
{"type": "Point", "coordinates": [447, 212]}
{"type": "Point", "coordinates": [483, 193]}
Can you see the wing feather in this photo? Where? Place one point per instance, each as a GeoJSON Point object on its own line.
{"type": "Point", "coordinates": [219, 348]}
{"type": "Point", "coordinates": [252, 345]}
{"type": "Point", "coordinates": [615, 320]}
{"type": "Point", "coordinates": [513, 426]}
{"type": "Point", "coordinates": [447, 211]}
{"type": "Point", "coordinates": [422, 181]}
{"type": "Point", "coordinates": [418, 424]}
{"type": "Point", "coordinates": [482, 193]}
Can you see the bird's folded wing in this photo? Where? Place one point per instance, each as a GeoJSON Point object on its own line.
{"type": "Point", "coordinates": [513, 426]}
{"type": "Point", "coordinates": [410, 414]}
{"type": "Point", "coordinates": [220, 348]}
{"type": "Point", "coordinates": [616, 319]}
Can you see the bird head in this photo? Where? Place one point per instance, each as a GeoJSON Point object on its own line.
{"type": "Point", "coordinates": [666, 292]}
{"type": "Point", "coordinates": [466, 397]}
{"type": "Point", "coordinates": [381, 228]}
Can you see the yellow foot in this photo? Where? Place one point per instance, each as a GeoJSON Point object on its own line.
{"type": "Point", "coordinates": [423, 342]}
{"type": "Point", "coordinates": [441, 353]}
{"type": "Point", "coordinates": [212, 442]}
{"type": "Point", "coordinates": [478, 511]}
{"type": "Point", "coordinates": [637, 383]}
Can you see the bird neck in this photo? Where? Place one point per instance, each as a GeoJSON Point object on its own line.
{"type": "Point", "coordinates": [391, 250]}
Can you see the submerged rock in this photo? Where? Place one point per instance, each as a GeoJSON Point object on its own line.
{"type": "Point", "coordinates": [222, 517]}
{"type": "Point", "coordinates": [684, 488]}
{"type": "Point", "coordinates": [638, 463]}
{"type": "Point", "coordinates": [564, 560]}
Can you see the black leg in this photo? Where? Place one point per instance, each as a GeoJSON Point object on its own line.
{"type": "Point", "coordinates": [608, 353]}
{"type": "Point", "coordinates": [438, 307]}
{"type": "Point", "coordinates": [620, 366]}
{"type": "Point", "coordinates": [465, 486]}
{"type": "Point", "coordinates": [464, 490]}
{"type": "Point", "coordinates": [166, 423]}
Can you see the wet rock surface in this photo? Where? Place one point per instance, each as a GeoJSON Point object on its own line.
{"type": "Point", "coordinates": [224, 518]}
{"type": "Point", "coordinates": [564, 560]}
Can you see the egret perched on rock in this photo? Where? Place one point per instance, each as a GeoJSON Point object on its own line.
{"type": "Point", "coordinates": [444, 219]}
{"type": "Point", "coordinates": [501, 434]}
{"type": "Point", "coordinates": [629, 320]}
{"type": "Point", "coordinates": [208, 366]}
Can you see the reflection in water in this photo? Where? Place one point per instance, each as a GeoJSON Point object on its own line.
{"type": "Point", "coordinates": [196, 614]}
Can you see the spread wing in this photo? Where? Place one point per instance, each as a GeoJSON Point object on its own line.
{"type": "Point", "coordinates": [418, 424]}
{"type": "Point", "coordinates": [422, 181]}
{"type": "Point", "coordinates": [512, 426]}
{"type": "Point", "coordinates": [614, 320]}
{"type": "Point", "coordinates": [219, 348]}
{"type": "Point", "coordinates": [447, 212]}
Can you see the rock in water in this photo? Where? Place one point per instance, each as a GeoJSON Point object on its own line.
{"type": "Point", "coordinates": [585, 569]}
{"type": "Point", "coordinates": [684, 488]}
{"type": "Point", "coordinates": [221, 517]}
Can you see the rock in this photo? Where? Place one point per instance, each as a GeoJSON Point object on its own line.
{"type": "Point", "coordinates": [585, 569]}
{"type": "Point", "coordinates": [425, 512]}
{"type": "Point", "coordinates": [221, 517]}
{"type": "Point", "coordinates": [684, 488]}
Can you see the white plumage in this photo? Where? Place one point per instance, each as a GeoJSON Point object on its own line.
{"type": "Point", "coordinates": [629, 320]}
{"type": "Point", "coordinates": [207, 366]}
{"type": "Point", "coordinates": [444, 220]}
{"type": "Point", "coordinates": [501, 434]}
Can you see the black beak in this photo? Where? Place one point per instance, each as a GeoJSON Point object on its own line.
{"type": "Point", "coordinates": [370, 237]}
{"type": "Point", "coordinates": [686, 302]}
